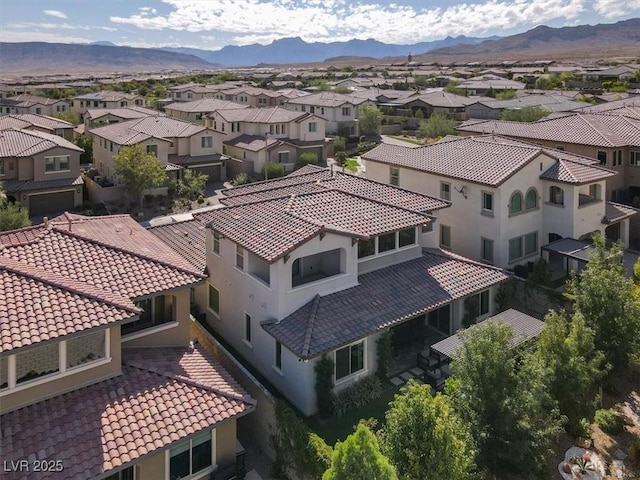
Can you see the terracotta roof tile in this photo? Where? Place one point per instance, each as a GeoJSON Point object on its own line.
{"type": "Point", "coordinates": [38, 305]}
{"type": "Point", "coordinates": [382, 299]}
{"type": "Point", "coordinates": [189, 238]}
{"type": "Point", "coordinates": [616, 211]}
{"type": "Point", "coordinates": [204, 105]}
{"type": "Point", "coordinates": [43, 121]}
{"type": "Point", "coordinates": [570, 171]}
{"type": "Point", "coordinates": [21, 185]}
{"type": "Point", "coordinates": [25, 143]}
{"type": "Point", "coordinates": [262, 115]}
{"type": "Point", "coordinates": [95, 429]}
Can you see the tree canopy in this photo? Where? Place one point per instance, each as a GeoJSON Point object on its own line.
{"type": "Point", "coordinates": [524, 114]}
{"type": "Point", "coordinates": [359, 458]}
{"type": "Point", "coordinates": [12, 215]}
{"type": "Point", "coordinates": [436, 126]}
{"type": "Point", "coordinates": [502, 394]}
{"type": "Point", "coordinates": [369, 120]}
{"type": "Point", "coordinates": [138, 171]}
{"type": "Point", "coordinates": [424, 438]}
{"type": "Point", "coordinates": [191, 185]}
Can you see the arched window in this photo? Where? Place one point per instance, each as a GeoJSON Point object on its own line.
{"type": "Point", "coordinates": [532, 199]}
{"type": "Point", "coordinates": [556, 195]}
{"type": "Point", "coordinates": [515, 203]}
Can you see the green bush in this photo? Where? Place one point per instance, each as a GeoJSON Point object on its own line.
{"type": "Point", "coordinates": [341, 158]}
{"type": "Point", "coordinates": [324, 386]}
{"type": "Point", "coordinates": [240, 179]}
{"type": "Point", "coordinates": [307, 158]}
{"type": "Point", "coordinates": [609, 421]}
{"type": "Point", "coordinates": [272, 170]}
{"type": "Point", "coordinates": [200, 200]}
{"type": "Point", "coordinates": [580, 429]}
{"type": "Point", "coordinates": [357, 395]}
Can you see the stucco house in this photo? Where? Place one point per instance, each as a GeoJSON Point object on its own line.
{"type": "Point", "coordinates": [197, 110]}
{"type": "Point", "coordinates": [336, 109]}
{"type": "Point", "coordinates": [94, 118]}
{"type": "Point", "coordinates": [40, 123]}
{"type": "Point", "coordinates": [613, 138]}
{"type": "Point", "coordinates": [40, 171]}
{"type": "Point", "coordinates": [98, 377]}
{"type": "Point", "coordinates": [509, 198]}
{"type": "Point", "coordinates": [251, 137]}
{"type": "Point", "coordinates": [27, 103]}
{"type": "Point", "coordinates": [322, 263]}
{"type": "Point", "coordinates": [105, 99]}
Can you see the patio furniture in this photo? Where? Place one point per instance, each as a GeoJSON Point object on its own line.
{"type": "Point", "coordinates": [435, 378]}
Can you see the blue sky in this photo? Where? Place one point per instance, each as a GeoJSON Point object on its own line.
{"type": "Point", "coordinates": [212, 24]}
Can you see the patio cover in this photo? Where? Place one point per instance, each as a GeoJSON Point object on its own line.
{"type": "Point", "coordinates": [569, 247]}
{"type": "Point", "coordinates": [525, 327]}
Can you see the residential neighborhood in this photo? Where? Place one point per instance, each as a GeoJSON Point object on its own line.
{"type": "Point", "coordinates": [391, 267]}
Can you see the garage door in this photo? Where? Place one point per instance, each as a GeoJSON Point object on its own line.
{"type": "Point", "coordinates": [213, 171]}
{"type": "Point", "coordinates": [51, 202]}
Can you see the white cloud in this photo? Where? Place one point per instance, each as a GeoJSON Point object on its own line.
{"type": "Point", "coordinates": [317, 20]}
{"type": "Point", "coordinates": [615, 8]}
{"type": "Point", "coordinates": [26, 36]}
{"type": "Point", "coordinates": [59, 26]}
{"type": "Point", "coordinates": [54, 13]}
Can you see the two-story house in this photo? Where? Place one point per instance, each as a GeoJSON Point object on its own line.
{"type": "Point", "coordinates": [105, 99]}
{"type": "Point", "coordinates": [612, 138]}
{"type": "Point", "coordinates": [40, 171]}
{"type": "Point", "coordinates": [509, 198]}
{"type": "Point", "coordinates": [94, 118]}
{"type": "Point", "coordinates": [27, 103]}
{"type": "Point", "coordinates": [177, 145]}
{"type": "Point", "coordinates": [40, 123]}
{"type": "Point", "coordinates": [337, 110]}
{"type": "Point", "coordinates": [322, 263]}
{"type": "Point", "coordinates": [98, 377]}
{"type": "Point", "coordinates": [251, 137]}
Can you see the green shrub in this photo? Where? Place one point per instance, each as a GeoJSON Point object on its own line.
{"type": "Point", "coordinates": [341, 158]}
{"type": "Point", "coordinates": [580, 429]}
{"type": "Point", "coordinates": [357, 395]}
{"type": "Point", "coordinates": [324, 386]}
{"type": "Point", "coordinates": [609, 421]}
{"type": "Point", "coordinates": [272, 170]}
{"type": "Point", "coordinates": [307, 158]}
{"type": "Point", "coordinates": [339, 144]}
{"type": "Point", "coordinates": [240, 179]}
{"type": "Point", "coordinates": [200, 200]}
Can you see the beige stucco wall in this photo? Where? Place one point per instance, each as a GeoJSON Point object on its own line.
{"type": "Point", "coordinates": [72, 381]}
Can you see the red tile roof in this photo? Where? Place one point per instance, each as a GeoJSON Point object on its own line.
{"type": "Point", "coordinates": [114, 254]}
{"type": "Point", "coordinates": [120, 420]}
{"type": "Point", "coordinates": [615, 212]}
{"type": "Point", "coordinates": [25, 143]}
{"type": "Point", "coordinates": [383, 298]}
{"type": "Point", "coordinates": [38, 305]}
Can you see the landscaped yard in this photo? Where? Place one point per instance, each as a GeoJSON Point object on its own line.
{"type": "Point", "coordinates": [338, 428]}
{"type": "Point", "coordinates": [352, 165]}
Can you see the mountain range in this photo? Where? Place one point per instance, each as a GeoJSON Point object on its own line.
{"type": "Point", "coordinates": [296, 50]}
{"type": "Point", "coordinates": [604, 41]}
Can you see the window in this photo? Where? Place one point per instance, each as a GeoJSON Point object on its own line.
{"type": "Point", "coordinates": [56, 164]}
{"type": "Point", "coordinates": [283, 157]}
{"type": "Point", "coordinates": [487, 203]}
{"type": "Point", "coordinates": [349, 360]}
{"type": "Point", "coordinates": [247, 328]}
{"type": "Point", "coordinates": [366, 248]}
{"type": "Point", "coordinates": [38, 362]}
{"type": "Point", "coordinates": [283, 128]}
{"type": "Point", "coordinates": [85, 348]}
{"type": "Point", "coordinates": [155, 311]}
{"type": "Point", "coordinates": [278, 356]}
{"type": "Point", "coordinates": [407, 237]}
{"type": "Point", "coordinates": [346, 111]}
{"type": "Point", "coordinates": [445, 236]}
{"type": "Point", "coordinates": [634, 158]}
{"type": "Point", "coordinates": [387, 242]}
{"type": "Point", "coordinates": [556, 195]}
{"type": "Point", "coordinates": [313, 127]}
{"type": "Point", "coordinates": [486, 250]}
{"type": "Point", "coordinates": [271, 129]}
{"type": "Point", "coordinates": [152, 149]}
{"type": "Point", "coordinates": [394, 176]}
{"type": "Point", "coordinates": [445, 191]}
{"type": "Point", "coordinates": [214, 299]}
{"type": "Point", "coordinates": [321, 110]}
{"type": "Point", "coordinates": [1, 167]}
{"type": "Point", "coordinates": [617, 157]}
{"type": "Point", "coordinates": [126, 474]}
{"type": "Point", "coordinates": [240, 257]}
{"type": "Point", "coordinates": [206, 142]}
{"type": "Point", "coordinates": [278, 129]}
{"type": "Point", "coordinates": [481, 300]}
{"type": "Point", "coordinates": [192, 456]}
{"type": "Point", "coordinates": [515, 203]}
{"type": "Point", "coordinates": [532, 199]}
{"type": "Point", "coordinates": [312, 109]}
{"type": "Point", "coordinates": [602, 157]}
{"type": "Point", "coordinates": [523, 246]}
{"type": "Point", "coordinates": [216, 242]}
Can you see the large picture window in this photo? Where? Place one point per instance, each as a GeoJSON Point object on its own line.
{"type": "Point", "coordinates": [349, 360]}
{"type": "Point", "coordinates": [191, 457]}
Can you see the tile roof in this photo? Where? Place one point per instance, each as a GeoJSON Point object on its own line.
{"type": "Point", "coordinates": [138, 130]}
{"type": "Point", "coordinates": [25, 120]}
{"type": "Point", "coordinates": [252, 143]}
{"type": "Point", "coordinates": [160, 398]}
{"type": "Point", "coordinates": [204, 105]}
{"type": "Point", "coordinates": [188, 238]}
{"type": "Point", "coordinates": [441, 99]}
{"type": "Point", "coordinates": [24, 185]}
{"type": "Point", "coordinates": [616, 211]}
{"type": "Point", "coordinates": [25, 143]}
{"type": "Point", "coordinates": [107, 96]}
{"type": "Point", "coordinates": [128, 113]}
{"type": "Point", "coordinates": [382, 299]}
{"type": "Point", "coordinates": [600, 130]}
{"type": "Point", "coordinates": [262, 115]}
{"type": "Point", "coordinates": [327, 99]}
{"type": "Point", "coordinates": [188, 160]}
{"type": "Point", "coordinates": [524, 327]}
{"type": "Point", "coordinates": [487, 160]}
{"type": "Point", "coordinates": [28, 100]}
{"type": "Point", "coordinates": [113, 253]}
{"type": "Point", "coordinates": [38, 305]}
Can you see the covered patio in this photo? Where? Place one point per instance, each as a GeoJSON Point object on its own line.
{"type": "Point", "coordinates": [439, 355]}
